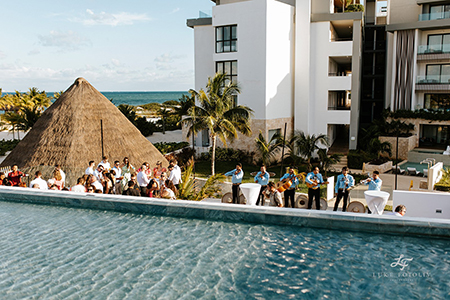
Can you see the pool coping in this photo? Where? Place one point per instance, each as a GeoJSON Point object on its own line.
{"type": "Point", "coordinates": [384, 224]}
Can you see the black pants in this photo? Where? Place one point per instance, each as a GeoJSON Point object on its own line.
{"type": "Point", "coordinates": [341, 193]}
{"type": "Point", "coordinates": [261, 196]}
{"type": "Point", "coordinates": [289, 194]}
{"type": "Point", "coordinates": [235, 190]}
{"type": "Point", "coordinates": [314, 194]}
{"type": "Point", "coordinates": [143, 191]}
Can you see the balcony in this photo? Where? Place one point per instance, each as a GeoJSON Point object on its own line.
{"type": "Point", "coordinates": [433, 79]}
{"type": "Point", "coordinates": [435, 16]}
{"type": "Point", "coordinates": [434, 49]}
{"type": "Point", "coordinates": [430, 83]}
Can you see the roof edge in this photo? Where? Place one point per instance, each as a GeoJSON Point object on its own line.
{"type": "Point", "coordinates": [198, 22]}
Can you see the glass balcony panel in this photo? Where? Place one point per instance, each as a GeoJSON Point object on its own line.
{"type": "Point", "coordinates": [445, 79]}
{"type": "Point", "coordinates": [428, 79]}
{"type": "Point", "coordinates": [436, 48]}
{"type": "Point", "coordinates": [434, 16]}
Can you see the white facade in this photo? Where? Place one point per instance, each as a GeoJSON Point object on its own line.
{"type": "Point", "coordinates": [286, 51]}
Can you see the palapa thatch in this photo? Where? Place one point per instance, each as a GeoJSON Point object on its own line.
{"type": "Point", "coordinates": [69, 133]}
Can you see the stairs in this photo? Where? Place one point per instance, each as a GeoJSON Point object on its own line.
{"type": "Point", "coordinates": [343, 163]}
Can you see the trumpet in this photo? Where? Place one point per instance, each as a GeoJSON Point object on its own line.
{"type": "Point", "coordinates": [366, 180]}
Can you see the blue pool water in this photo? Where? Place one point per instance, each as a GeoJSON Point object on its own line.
{"type": "Point", "coordinates": [62, 253]}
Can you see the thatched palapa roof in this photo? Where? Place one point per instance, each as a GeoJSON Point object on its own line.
{"type": "Point", "coordinates": [69, 133]}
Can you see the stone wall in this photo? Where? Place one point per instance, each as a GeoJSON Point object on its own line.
{"type": "Point", "coordinates": [248, 142]}
{"type": "Point", "coordinates": [405, 144]}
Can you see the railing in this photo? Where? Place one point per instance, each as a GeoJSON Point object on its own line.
{"type": "Point", "coordinates": [340, 74]}
{"type": "Point", "coordinates": [434, 49]}
{"type": "Point", "coordinates": [339, 107]}
{"type": "Point", "coordinates": [433, 79]}
{"type": "Point", "coordinates": [435, 16]}
{"type": "Point", "coordinates": [204, 14]}
{"type": "Point", "coordinates": [338, 39]}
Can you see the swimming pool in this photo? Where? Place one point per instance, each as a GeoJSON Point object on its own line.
{"type": "Point", "coordinates": [60, 253]}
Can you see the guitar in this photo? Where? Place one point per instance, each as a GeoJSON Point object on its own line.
{"type": "Point", "coordinates": [315, 186]}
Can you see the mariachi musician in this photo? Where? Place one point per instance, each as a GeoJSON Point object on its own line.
{"type": "Point", "coordinates": [236, 179]}
{"type": "Point", "coordinates": [290, 192]}
{"type": "Point", "coordinates": [263, 179]}
{"type": "Point", "coordinates": [344, 182]}
{"type": "Point", "coordinates": [313, 180]}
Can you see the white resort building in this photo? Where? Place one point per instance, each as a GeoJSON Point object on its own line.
{"type": "Point", "coordinates": [298, 63]}
{"type": "Point", "coordinates": [418, 65]}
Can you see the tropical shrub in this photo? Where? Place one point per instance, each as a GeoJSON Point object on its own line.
{"type": "Point", "coordinates": [192, 189]}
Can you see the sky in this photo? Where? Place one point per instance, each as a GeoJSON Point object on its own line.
{"type": "Point", "coordinates": [117, 45]}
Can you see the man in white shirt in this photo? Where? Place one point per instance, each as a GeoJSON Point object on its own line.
{"type": "Point", "coordinates": [79, 188]}
{"type": "Point", "coordinates": [104, 163]}
{"type": "Point", "coordinates": [39, 181]}
{"type": "Point", "coordinates": [143, 180]}
{"type": "Point", "coordinates": [175, 174]}
{"type": "Point", "coordinates": [90, 169]}
{"type": "Point", "coordinates": [98, 173]}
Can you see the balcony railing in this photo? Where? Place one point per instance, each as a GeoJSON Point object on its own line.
{"type": "Point", "coordinates": [339, 107]}
{"type": "Point", "coordinates": [435, 16]}
{"type": "Point", "coordinates": [339, 74]}
{"type": "Point", "coordinates": [204, 14]}
{"type": "Point", "coordinates": [341, 39]}
{"type": "Point", "coordinates": [434, 49]}
{"type": "Point", "coordinates": [433, 79]}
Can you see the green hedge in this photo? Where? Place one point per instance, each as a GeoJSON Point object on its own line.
{"type": "Point", "coordinates": [419, 114]}
{"type": "Point", "coordinates": [6, 146]}
{"type": "Point", "coordinates": [230, 154]}
{"type": "Point", "coordinates": [356, 158]}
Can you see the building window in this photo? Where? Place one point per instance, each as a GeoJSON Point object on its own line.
{"type": "Point", "coordinates": [438, 43]}
{"type": "Point", "coordinates": [438, 74]}
{"type": "Point", "coordinates": [226, 39]}
{"type": "Point", "coordinates": [229, 68]}
{"type": "Point", "coordinates": [441, 11]}
{"type": "Point", "coordinates": [437, 101]}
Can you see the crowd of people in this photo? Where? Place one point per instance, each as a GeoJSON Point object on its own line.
{"type": "Point", "coordinates": [118, 179]}
{"type": "Point", "coordinates": [124, 179]}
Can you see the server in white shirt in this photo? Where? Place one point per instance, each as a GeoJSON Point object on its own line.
{"type": "Point", "coordinates": [143, 180]}
{"type": "Point", "coordinates": [104, 163]}
{"type": "Point", "coordinates": [39, 181]}
{"type": "Point", "coordinates": [90, 169]}
{"type": "Point", "coordinates": [175, 173]}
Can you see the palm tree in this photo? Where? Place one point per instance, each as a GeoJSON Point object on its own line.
{"type": "Point", "coordinates": [24, 109]}
{"type": "Point", "coordinates": [164, 112]}
{"type": "Point", "coordinates": [308, 144]}
{"type": "Point", "coordinates": [217, 113]}
{"type": "Point", "coordinates": [327, 160]}
{"type": "Point", "coordinates": [377, 147]}
{"type": "Point", "coordinates": [269, 149]}
{"type": "Point", "coordinates": [191, 189]}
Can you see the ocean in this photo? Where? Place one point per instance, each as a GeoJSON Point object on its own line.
{"type": "Point", "coordinates": [137, 98]}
